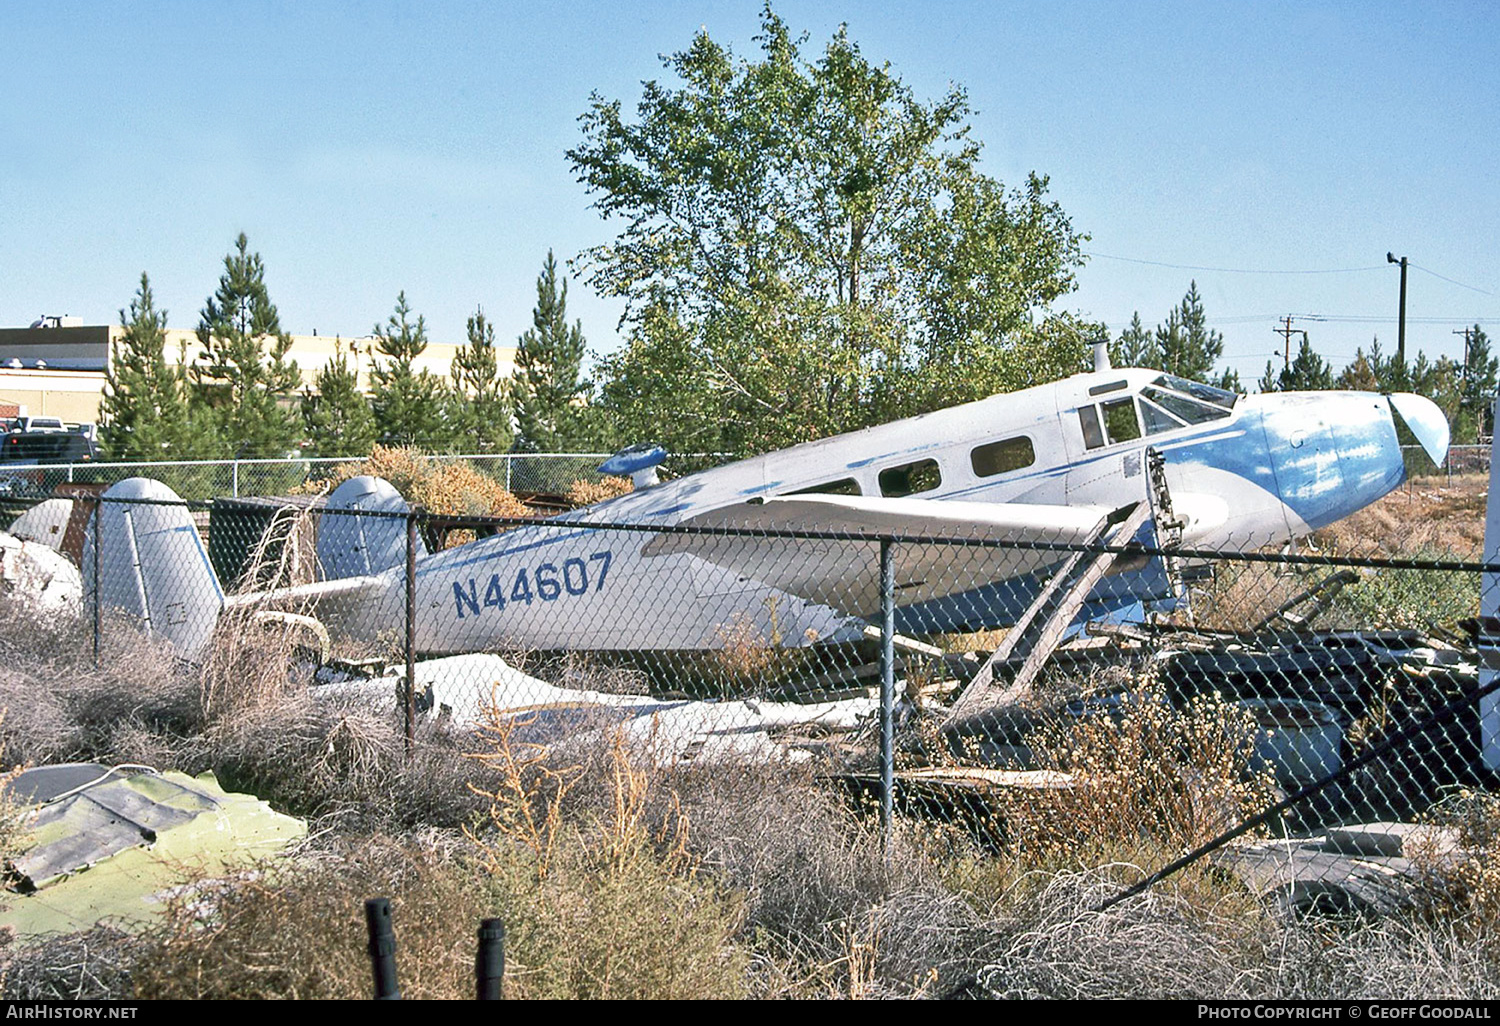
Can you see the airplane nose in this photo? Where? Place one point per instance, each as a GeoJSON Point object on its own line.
{"type": "Point", "coordinates": [1336, 452]}
{"type": "Point", "coordinates": [1422, 416]}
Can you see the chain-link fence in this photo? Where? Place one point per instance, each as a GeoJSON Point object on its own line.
{"type": "Point", "coordinates": [522, 473]}
{"type": "Point", "coordinates": [1459, 460]}
{"type": "Point", "coordinates": [1048, 691]}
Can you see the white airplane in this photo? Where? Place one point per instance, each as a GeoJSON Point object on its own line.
{"type": "Point", "coordinates": [1044, 466]}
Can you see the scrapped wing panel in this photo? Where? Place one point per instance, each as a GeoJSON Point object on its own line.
{"type": "Point", "coordinates": [844, 572]}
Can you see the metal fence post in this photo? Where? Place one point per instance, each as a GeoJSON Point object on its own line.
{"type": "Point", "coordinates": [382, 948]}
{"type": "Point", "coordinates": [508, 461]}
{"type": "Point", "coordinates": [98, 599]}
{"type": "Point", "coordinates": [489, 961]}
{"type": "Point", "coordinates": [411, 630]}
{"type": "Point", "coordinates": [234, 473]}
{"type": "Point", "coordinates": [887, 689]}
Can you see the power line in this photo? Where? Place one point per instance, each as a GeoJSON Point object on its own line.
{"type": "Point", "coordinates": [1237, 270]}
{"type": "Point", "coordinates": [1330, 319]}
{"type": "Point", "coordinates": [1386, 318]}
{"type": "Point", "coordinates": [1266, 270]}
{"type": "Point", "coordinates": [1451, 281]}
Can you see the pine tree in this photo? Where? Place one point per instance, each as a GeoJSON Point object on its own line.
{"type": "Point", "coordinates": [1481, 374]}
{"type": "Point", "coordinates": [243, 383]}
{"type": "Point", "coordinates": [410, 405]}
{"type": "Point", "coordinates": [1270, 381]}
{"type": "Point", "coordinates": [1362, 374]}
{"type": "Point", "coordinates": [1136, 347]}
{"type": "Point", "coordinates": [550, 399]}
{"type": "Point", "coordinates": [1307, 373]}
{"type": "Point", "coordinates": [335, 413]}
{"type": "Point", "coordinates": [480, 403]}
{"type": "Point", "coordinates": [1187, 347]}
{"type": "Point", "coordinates": [144, 411]}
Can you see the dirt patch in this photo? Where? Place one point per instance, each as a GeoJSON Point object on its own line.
{"type": "Point", "coordinates": [1427, 515]}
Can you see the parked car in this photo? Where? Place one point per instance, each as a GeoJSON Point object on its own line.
{"type": "Point", "coordinates": [50, 425]}
{"type": "Point", "coordinates": [23, 454]}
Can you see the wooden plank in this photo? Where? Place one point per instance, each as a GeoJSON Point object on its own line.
{"type": "Point", "coordinates": [1043, 625]}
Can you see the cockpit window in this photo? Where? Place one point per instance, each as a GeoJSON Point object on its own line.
{"type": "Point", "coordinates": [1120, 421]}
{"type": "Point", "coordinates": [1184, 409]}
{"type": "Point", "coordinates": [1201, 392]}
{"type": "Point", "coordinates": [1157, 419]}
{"type": "Point", "coordinates": [1088, 419]}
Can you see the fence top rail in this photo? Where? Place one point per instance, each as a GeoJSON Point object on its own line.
{"type": "Point", "coordinates": [295, 460]}
{"type": "Point", "coordinates": [874, 538]}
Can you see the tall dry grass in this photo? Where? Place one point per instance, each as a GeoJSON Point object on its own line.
{"type": "Point", "coordinates": [1143, 775]}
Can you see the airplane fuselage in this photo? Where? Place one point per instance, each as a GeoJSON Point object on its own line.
{"type": "Point", "coordinates": [1243, 472]}
{"type": "Point", "coordinates": [1042, 464]}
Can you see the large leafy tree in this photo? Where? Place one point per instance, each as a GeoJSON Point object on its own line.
{"type": "Point", "coordinates": [144, 411]}
{"type": "Point", "coordinates": [479, 407]}
{"type": "Point", "coordinates": [335, 412]}
{"type": "Point", "coordinates": [551, 398]}
{"type": "Point", "coordinates": [243, 382]}
{"type": "Point", "coordinates": [818, 247]}
{"type": "Point", "coordinates": [409, 404]}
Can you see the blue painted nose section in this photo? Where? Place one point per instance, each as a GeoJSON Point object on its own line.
{"type": "Point", "coordinates": [1332, 452]}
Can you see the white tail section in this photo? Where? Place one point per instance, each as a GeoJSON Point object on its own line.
{"type": "Point", "coordinates": [152, 565]}
{"type": "Point", "coordinates": [350, 545]}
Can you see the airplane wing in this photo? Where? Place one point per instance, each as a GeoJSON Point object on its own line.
{"type": "Point", "coordinates": [840, 567]}
{"type": "Point", "coordinates": [343, 590]}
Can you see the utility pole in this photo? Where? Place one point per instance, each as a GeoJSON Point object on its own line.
{"type": "Point", "coordinates": [1468, 334]}
{"type": "Point", "coordinates": [1390, 258]}
{"type": "Point", "coordinates": [1286, 331]}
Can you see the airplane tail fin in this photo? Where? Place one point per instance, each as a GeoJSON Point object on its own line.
{"type": "Point", "coordinates": [151, 565]}
{"type": "Point", "coordinates": [352, 545]}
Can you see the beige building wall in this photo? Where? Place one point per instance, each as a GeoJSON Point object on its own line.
{"type": "Point", "coordinates": [74, 396]}
{"type": "Point", "coordinates": [74, 358]}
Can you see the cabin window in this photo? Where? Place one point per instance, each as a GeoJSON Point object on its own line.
{"type": "Point", "coordinates": [910, 478]}
{"type": "Point", "coordinates": [1184, 409]}
{"type": "Point", "coordinates": [1113, 386]}
{"type": "Point", "coordinates": [1120, 421]}
{"type": "Point", "coordinates": [1002, 457]}
{"type": "Point", "coordinates": [1157, 419]}
{"type": "Point", "coordinates": [1088, 419]}
{"type": "Point", "coordinates": [843, 486]}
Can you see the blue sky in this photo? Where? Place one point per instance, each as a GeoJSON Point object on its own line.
{"type": "Point", "coordinates": [370, 147]}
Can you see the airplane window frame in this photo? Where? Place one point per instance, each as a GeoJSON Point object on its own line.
{"type": "Point", "coordinates": [991, 448]}
{"type": "Point", "coordinates": [909, 470]}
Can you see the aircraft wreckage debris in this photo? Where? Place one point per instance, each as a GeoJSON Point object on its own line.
{"type": "Point", "coordinates": [109, 841]}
